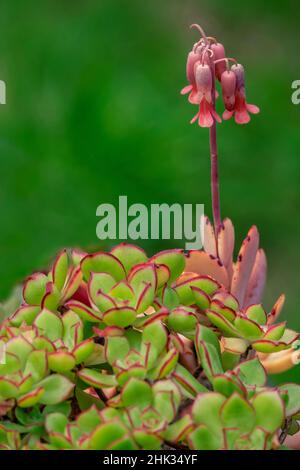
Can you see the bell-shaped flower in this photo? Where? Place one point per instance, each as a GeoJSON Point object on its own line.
{"type": "Point", "coordinates": [206, 114]}
{"type": "Point", "coordinates": [218, 54]}
{"type": "Point", "coordinates": [241, 108]}
{"type": "Point", "coordinates": [228, 83]}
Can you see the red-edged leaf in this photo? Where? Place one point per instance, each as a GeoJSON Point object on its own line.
{"type": "Point", "coordinates": [257, 279]}
{"type": "Point", "coordinates": [202, 263]}
{"type": "Point", "coordinates": [244, 265]}
{"type": "Point", "coordinates": [102, 262]}
{"type": "Point", "coordinates": [209, 239]}
{"type": "Point", "coordinates": [226, 246]}
{"type": "Point", "coordinates": [276, 310]}
{"type": "Point", "coordinates": [60, 269]}
{"type": "Point", "coordinates": [83, 311]}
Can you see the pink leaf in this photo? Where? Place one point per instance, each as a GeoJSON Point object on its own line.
{"type": "Point", "coordinates": [244, 265]}
{"type": "Point", "coordinates": [257, 280]}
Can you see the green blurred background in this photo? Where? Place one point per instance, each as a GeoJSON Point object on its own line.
{"type": "Point", "coordinates": [93, 112]}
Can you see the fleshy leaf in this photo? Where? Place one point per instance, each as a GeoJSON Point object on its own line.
{"type": "Point", "coordinates": [252, 372]}
{"type": "Point", "coordinates": [238, 413]}
{"type": "Point", "coordinates": [244, 265]}
{"type": "Point", "coordinates": [293, 392]}
{"type": "Point", "coordinates": [102, 262]}
{"type": "Point", "coordinates": [269, 410]}
{"type": "Point", "coordinates": [97, 379]}
{"type": "Point", "coordinates": [60, 269]}
{"type": "Point", "coordinates": [257, 314]}
{"type": "Point", "coordinates": [202, 263]}
{"type": "Point", "coordinates": [57, 388]}
{"type": "Point", "coordinates": [129, 255]}
{"type": "Point", "coordinates": [187, 381]}
{"type": "Point", "coordinates": [49, 324]}
{"type": "Point", "coordinates": [121, 317]}
{"type": "Point", "coordinates": [173, 259]}
{"type": "Point", "coordinates": [61, 361]}
{"type": "Point", "coordinates": [35, 288]}
{"type": "Point", "coordinates": [137, 393]}
{"type": "Point", "coordinates": [248, 328]}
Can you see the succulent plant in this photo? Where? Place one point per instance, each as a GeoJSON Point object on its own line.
{"type": "Point", "coordinates": [134, 358]}
{"type": "Point", "coordinates": [116, 350]}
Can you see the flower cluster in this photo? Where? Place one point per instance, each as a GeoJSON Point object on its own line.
{"type": "Point", "coordinates": [206, 63]}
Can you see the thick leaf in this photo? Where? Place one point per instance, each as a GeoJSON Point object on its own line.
{"type": "Point", "coordinates": [244, 265]}
{"type": "Point", "coordinates": [84, 312]}
{"type": "Point", "coordinates": [8, 389]}
{"type": "Point", "coordinates": [206, 410]}
{"type": "Point", "coordinates": [269, 410]}
{"type": "Point", "coordinates": [187, 381]}
{"type": "Point", "coordinates": [203, 439]}
{"type": "Point", "coordinates": [129, 255]}
{"type": "Point", "coordinates": [275, 332]}
{"type": "Point", "coordinates": [226, 312]}
{"type": "Point", "coordinates": [248, 328]}
{"type": "Point", "coordinates": [202, 263]}
{"type": "Point", "coordinates": [226, 239]}
{"type": "Point", "coordinates": [257, 279]}
{"type": "Point", "coordinates": [35, 288]}
{"type": "Point", "coordinates": [25, 313]}
{"type": "Point", "coordinates": [107, 434]}
{"type": "Point", "coordinates": [268, 346]}
{"type": "Point", "coordinates": [184, 287]}
{"type": "Point", "coordinates": [201, 299]}
{"type": "Point", "coordinates": [210, 359]}
{"type": "Point", "coordinates": [182, 320]}
{"type": "Point", "coordinates": [97, 379]}
{"type": "Point", "coordinates": [61, 361]}
{"type": "Point", "coordinates": [20, 347]}
{"type": "Point", "coordinates": [293, 392]}
{"type": "Point", "coordinates": [166, 364]}
{"type": "Point", "coordinates": [31, 398]}
{"type": "Point", "coordinates": [238, 413]}
{"type": "Point", "coordinates": [173, 259]}
{"type": "Point", "coordinates": [102, 262]}
{"type": "Point", "coordinates": [83, 350]}
{"type": "Point", "coordinates": [120, 317]}
{"type": "Point", "coordinates": [222, 323]}
{"type": "Point", "coordinates": [228, 384]}
{"type": "Point", "coordinates": [57, 388]}
{"type": "Point", "coordinates": [60, 269]}
{"type": "Point", "coordinates": [252, 372]}
{"type": "Point", "coordinates": [137, 393]}
{"type": "Point", "coordinates": [49, 325]}
{"type": "Point", "coordinates": [203, 333]}
{"type": "Point", "coordinates": [257, 314]}
{"type": "Point", "coordinates": [36, 365]}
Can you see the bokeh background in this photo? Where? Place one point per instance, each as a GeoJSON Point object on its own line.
{"type": "Point", "coordinates": [93, 112]}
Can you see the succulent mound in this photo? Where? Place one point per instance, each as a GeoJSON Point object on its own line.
{"type": "Point", "coordinates": [119, 351]}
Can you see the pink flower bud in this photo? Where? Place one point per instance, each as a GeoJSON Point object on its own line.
{"type": "Point", "coordinates": [239, 72]}
{"type": "Point", "coordinates": [219, 53]}
{"type": "Point", "coordinates": [228, 82]}
{"type": "Point", "coordinates": [193, 57]}
{"type": "Point", "coordinates": [203, 80]}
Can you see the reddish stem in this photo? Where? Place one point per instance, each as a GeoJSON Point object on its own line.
{"type": "Point", "coordinates": [214, 166]}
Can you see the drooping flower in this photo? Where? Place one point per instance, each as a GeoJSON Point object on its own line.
{"type": "Point", "coordinates": [228, 83]}
{"type": "Point", "coordinates": [206, 114]}
{"type": "Point", "coordinates": [218, 54]}
{"type": "Point", "coordinates": [193, 57]}
{"type": "Point", "coordinates": [241, 108]}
